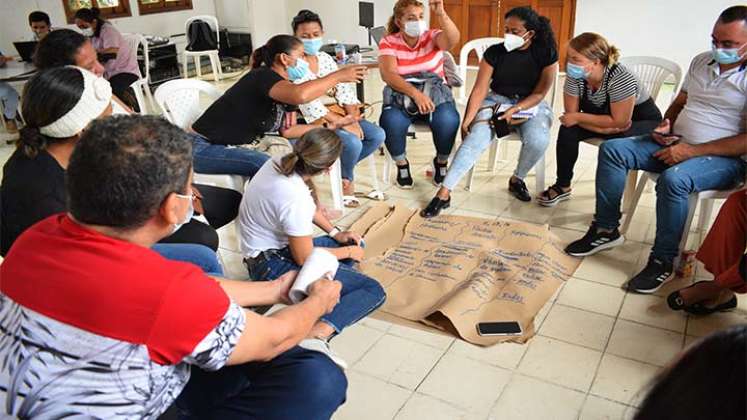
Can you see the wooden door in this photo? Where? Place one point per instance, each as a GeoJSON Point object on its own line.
{"type": "Point", "coordinates": [484, 18]}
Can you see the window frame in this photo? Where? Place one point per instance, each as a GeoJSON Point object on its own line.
{"type": "Point", "coordinates": [123, 10]}
{"type": "Point", "coordinates": [163, 6]}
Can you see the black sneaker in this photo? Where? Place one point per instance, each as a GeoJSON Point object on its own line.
{"type": "Point", "coordinates": [439, 171]}
{"type": "Point", "coordinates": [652, 277]}
{"type": "Point", "coordinates": [594, 242]}
{"type": "Point", "coordinates": [434, 207]}
{"type": "Point", "coordinates": [404, 177]}
{"type": "Point", "coordinates": [519, 190]}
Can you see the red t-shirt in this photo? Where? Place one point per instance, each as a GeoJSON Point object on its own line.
{"type": "Point", "coordinates": [112, 288]}
{"type": "Point", "coordinates": [424, 57]}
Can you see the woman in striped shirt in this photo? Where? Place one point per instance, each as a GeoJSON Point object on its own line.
{"type": "Point", "coordinates": [412, 50]}
{"type": "Point", "coordinates": [602, 98]}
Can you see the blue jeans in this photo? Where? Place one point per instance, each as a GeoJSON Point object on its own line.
{"type": "Point", "coordinates": [444, 123]}
{"type": "Point", "coordinates": [298, 384]}
{"type": "Point", "coordinates": [199, 255]}
{"type": "Point", "coordinates": [675, 184]}
{"type": "Point", "coordinates": [355, 149]}
{"type": "Point", "coordinates": [534, 133]}
{"type": "Point", "coordinates": [360, 294]}
{"type": "Point", "coordinates": [219, 159]}
{"type": "Point", "coordinates": [9, 97]}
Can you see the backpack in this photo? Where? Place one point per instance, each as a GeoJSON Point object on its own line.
{"type": "Point", "coordinates": [201, 36]}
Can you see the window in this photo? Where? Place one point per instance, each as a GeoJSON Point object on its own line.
{"type": "Point", "coordinates": [109, 8]}
{"type": "Point", "coordinates": [159, 6]}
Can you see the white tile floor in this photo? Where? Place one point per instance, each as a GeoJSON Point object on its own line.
{"type": "Point", "coordinates": [596, 348]}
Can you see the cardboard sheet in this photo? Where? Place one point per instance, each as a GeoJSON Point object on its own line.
{"type": "Point", "coordinates": [452, 272]}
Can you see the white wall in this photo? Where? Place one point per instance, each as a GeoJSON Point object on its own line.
{"type": "Point", "coordinates": [673, 29]}
{"type": "Point", "coordinates": [14, 20]}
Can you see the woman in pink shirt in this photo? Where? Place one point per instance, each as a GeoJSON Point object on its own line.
{"type": "Point", "coordinates": [120, 61]}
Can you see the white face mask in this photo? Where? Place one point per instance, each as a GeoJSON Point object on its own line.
{"type": "Point", "coordinates": [415, 28]}
{"type": "Point", "coordinates": [190, 211]}
{"type": "Point", "coordinates": [512, 42]}
{"type": "Point", "coordinates": [87, 32]}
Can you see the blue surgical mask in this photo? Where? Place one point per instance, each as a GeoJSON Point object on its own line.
{"type": "Point", "coordinates": [726, 55]}
{"type": "Point", "coordinates": [189, 214]}
{"type": "Point", "coordinates": [574, 71]}
{"type": "Point", "coordinates": [299, 71]}
{"type": "Point", "coordinates": [312, 46]}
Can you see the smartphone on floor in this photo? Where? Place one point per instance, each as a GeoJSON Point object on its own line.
{"type": "Point", "coordinates": [499, 328]}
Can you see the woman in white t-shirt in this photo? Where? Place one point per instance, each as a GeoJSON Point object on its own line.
{"type": "Point", "coordinates": [359, 137]}
{"type": "Point", "coordinates": [277, 218]}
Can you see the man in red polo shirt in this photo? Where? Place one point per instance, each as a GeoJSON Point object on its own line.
{"type": "Point", "coordinates": [96, 324]}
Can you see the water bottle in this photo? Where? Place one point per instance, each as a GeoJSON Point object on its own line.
{"type": "Point", "coordinates": [340, 53]}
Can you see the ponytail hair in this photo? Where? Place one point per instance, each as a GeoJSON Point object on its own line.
{"type": "Point", "coordinates": [312, 154]}
{"type": "Point", "coordinates": [543, 33]}
{"type": "Point", "coordinates": [595, 47]}
{"type": "Point", "coordinates": [91, 15]}
{"type": "Point", "coordinates": [48, 96]}
{"type": "Point", "coordinates": [398, 11]}
{"type": "Point", "coordinates": [278, 44]}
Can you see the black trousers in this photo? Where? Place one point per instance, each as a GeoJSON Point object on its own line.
{"type": "Point", "coordinates": [121, 89]}
{"type": "Point", "coordinates": [646, 116]}
{"type": "Point", "coordinates": [221, 206]}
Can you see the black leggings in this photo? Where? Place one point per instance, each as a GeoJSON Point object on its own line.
{"type": "Point", "coordinates": [646, 116]}
{"type": "Point", "coordinates": [221, 206]}
{"type": "Point", "coordinates": [121, 89]}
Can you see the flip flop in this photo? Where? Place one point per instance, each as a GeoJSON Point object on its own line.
{"type": "Point", "coordinates": [373, 195]}
{"type": "Point", "coordinates": [675, 302]}
{"type": "Point", "coordinates": [350, 201]}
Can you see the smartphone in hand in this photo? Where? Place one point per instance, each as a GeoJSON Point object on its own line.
{"type": "Point", "coordinates": [671, 137]}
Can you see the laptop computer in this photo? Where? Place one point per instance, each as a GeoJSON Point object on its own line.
{"type": "Point", "coordinates": [26, 49]}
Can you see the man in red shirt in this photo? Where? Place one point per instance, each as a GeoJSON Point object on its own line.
{"type": "Point", "coordinates": [96, 324]}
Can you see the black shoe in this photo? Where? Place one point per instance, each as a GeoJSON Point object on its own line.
{"type": "Point", "coordinates": [404, 177]}
{"type": "Point", "coordinates": [434, 207]}
{"type": "Point", "coordinates": [594, 242]}
{"type": "Point", "coordinates": [652, 277]}
{"type": "Point", "coordinates": [439, 171]}
{"type": "Point", "coordinates": [519, 190]}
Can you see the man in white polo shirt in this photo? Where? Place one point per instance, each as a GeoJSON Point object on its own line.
{"type": "Point", "coordinates": [699, 146]}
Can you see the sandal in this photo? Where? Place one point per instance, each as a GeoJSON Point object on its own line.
{"type": "Point", "coordinates": [350, 201]}
{"type": "Point", "coordinates": [676, 303]}
{"type": "Point", "coordinates": [373, 195]}
{"type": "Point", "coordinates": [560, 195]}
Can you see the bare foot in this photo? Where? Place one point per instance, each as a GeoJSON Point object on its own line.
{"type": "Point", "coordinates": [348, 187]}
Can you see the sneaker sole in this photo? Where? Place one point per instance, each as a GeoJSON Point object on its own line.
{"type": "Point", "coordinates": [608, 245]}
{"type": "Point", "coordinates": [650, 291]}
{"type": "Point", "coordinates": [554, 201]}
{"type": "Point", "coordinates": [404, 187]}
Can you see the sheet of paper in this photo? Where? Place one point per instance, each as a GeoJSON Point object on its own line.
{"type": "Point", "coordinates": [452, 272]}
{"type": "Point", "coordinates": [525, 113]}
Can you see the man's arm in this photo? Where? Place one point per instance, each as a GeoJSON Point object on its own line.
{"type": "Point", "coordinates": [256, 293]}
{"type": "Point", "coordinates": [676, 107]}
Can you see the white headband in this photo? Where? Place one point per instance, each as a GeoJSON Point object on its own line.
{"type": "Point", "coordinates": [97, 95]}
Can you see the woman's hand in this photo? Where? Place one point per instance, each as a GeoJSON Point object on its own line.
{"type": "Point", "coordinates": [424, 103]}
{"type": "Point", "coordinates": [351, 74]}
{"type": "Point", "coordinates": [508, 115]}
{"type": "Point", "coordinates": [355, 253]}
{"type": "Point", "coordinates": [282, 285]}
{"type": "Point", "coordinates": [437, 7]}
{"type": "Point", "coordinates": [354, 128]}
{"type": "Point", "coordinates": [342, 122]}
{"type": "Point", "coordinates": [569, 119]}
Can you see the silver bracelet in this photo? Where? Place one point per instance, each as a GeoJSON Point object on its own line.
{"type": "Point", "coordinates": [335, 230]}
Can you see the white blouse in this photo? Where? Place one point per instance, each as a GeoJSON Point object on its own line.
{"type": "Point", "coordinates": [344, 93]}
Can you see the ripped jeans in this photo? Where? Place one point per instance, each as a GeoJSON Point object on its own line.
{"type": "Point", "coordinates": [534, 133]}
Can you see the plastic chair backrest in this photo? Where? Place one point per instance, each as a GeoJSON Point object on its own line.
{"type": "Point", "coordinates": [378, 34]}
{"type": "Point", "coordinates": [479, 45]}
{"type": "Point", "coordinates": [211, 20]}
{"type": "Point", "coordinates": [653, 72]}
{"type": "Point", "coordinates": [135, 41]}
{"type": "Point", "coordinates": [179, 100]}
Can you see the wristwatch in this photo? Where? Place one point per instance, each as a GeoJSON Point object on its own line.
{"type": "Point", "coordinates": [335, 230]}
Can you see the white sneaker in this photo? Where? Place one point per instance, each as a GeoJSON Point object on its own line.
{"type": "Point", "coordinates": [316, 344]}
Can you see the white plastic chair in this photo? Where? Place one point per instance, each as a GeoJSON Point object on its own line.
{"type": "Point", "coordinates": [706, 198]}
{"type": "Point", "coordinates": [141, 86]}
{"type": "Point", "coordinates": [211, 54]}
{"type": "Point", "coordinates": [479, 45]}
{"type": "Point", "coordinates": [652, 72]}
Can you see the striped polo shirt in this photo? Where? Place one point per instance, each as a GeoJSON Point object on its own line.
{"type": "Point", "coordinates": [424, 57]}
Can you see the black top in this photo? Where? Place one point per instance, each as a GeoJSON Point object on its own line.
{"type": "Point", "coordinates": [516, 73]}
{"type": "Point", "coordinates": [32, 190]}
{"type": "Point", "coordinates": [244, 112]}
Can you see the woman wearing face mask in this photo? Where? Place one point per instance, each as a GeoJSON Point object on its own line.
{"type": "Point", "coordinates": [120, 62]}
{"type": "Point", "coordinates": [254, 106]}
{"type": "Point", "coordinates": [411, 49]}
{"type": "Point", "coordinates": [602, 98]}
{"type": "Point", "coordinates": [359, 137]}
{"type": "Point", "coordinates": [519, 72]}
{"type": "Point", "coordinates": [60, 103]}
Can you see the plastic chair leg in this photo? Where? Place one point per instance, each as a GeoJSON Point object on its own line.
{"type": "Point", "coordinates": [493, 156]}
{"type": "Point", "coordinates": [198, 66]}
{"type": "Point", "coordinates": [335, 176]}
{"type": "Point", "coordinates": [215, 66]}
{"type": "Point", "coordinates": [630, 183]}
{"type": "Point", "coordinates": [185, 66]}
{"type": "Point", "coordinates": [630, 211]}
{"type": "Point", "coordinates": [539, 173]}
